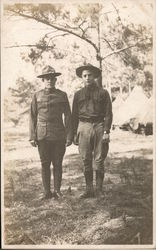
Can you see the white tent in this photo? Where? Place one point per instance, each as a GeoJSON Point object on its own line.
{"type": "Point", "coordinates": [146, 115]}
{"type": "Point", "coordinates": [136, 101]}
{"type": "Point", "coordinates": [119, 102]}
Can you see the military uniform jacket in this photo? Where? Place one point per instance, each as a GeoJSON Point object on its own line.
{"type": "Point", "coordinates": [92, 103]}
{"type": "Point", "coordinates": [46, 116]}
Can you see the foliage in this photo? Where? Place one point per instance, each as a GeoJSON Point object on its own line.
{"type": "Point", "coordinates": [17, 101]}
{"type": "Point", "coordinates": [22, 91]}
{"type": "Point", "coordinates": [122, 49]}
{"type": "Point", "coordinates": [60, 19]}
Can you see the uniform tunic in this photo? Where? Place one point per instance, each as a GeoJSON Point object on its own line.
{"type": "Point", "coordinates": [92, 115]}
{"type": "Point", "coordinates": [46, 121]}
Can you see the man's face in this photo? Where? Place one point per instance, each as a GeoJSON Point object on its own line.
{"type": "Point", "coordinates": [88, 77]}
{"type": "Point", "coordinates": [49, 82]}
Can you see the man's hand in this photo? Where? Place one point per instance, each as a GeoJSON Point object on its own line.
{"type": "Point", "coordinates": [75, 141]}
{"type": "Point", "coordinates": [106, 138]}
{"type": "Point", "coordinates": [33, 143]}
{"type": "Point", "coordinates": [68, 143]}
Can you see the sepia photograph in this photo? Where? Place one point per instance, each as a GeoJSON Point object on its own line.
{"type": "Point", "coordinates": [78, 124]}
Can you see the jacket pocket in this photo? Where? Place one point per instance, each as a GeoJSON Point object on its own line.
{"type": "Point", "coordinates": [97, 103]}
{"type": "Point", "coordinates": [82, 104]}
{"type": "Point", "coordinates": [41, 131]}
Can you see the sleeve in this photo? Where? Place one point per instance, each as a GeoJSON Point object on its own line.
{"type": "Point", "coordinates": [68, 120]}
{"type": "Point", "coordinates": [108, 113]}
{"type": "Point", "coordinates": [75, 114]}
{"type": "Point", "coordinates": [33, 119]}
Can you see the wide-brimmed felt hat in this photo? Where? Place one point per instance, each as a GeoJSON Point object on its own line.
{"type": "Point", "coordinates": [96, 71]}
{"type": "Point", "coordinates": [49, 71]}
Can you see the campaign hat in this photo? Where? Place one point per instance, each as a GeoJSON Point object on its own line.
{"type": "Point", "coordinates": [96, 71]}
{"type": "Point", "coordinates": [48, 71]}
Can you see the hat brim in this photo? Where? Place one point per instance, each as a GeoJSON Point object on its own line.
{"type": "Point", "coordinates": [96, 71]}
{"type": "Point", "coordinates": [49, 74]}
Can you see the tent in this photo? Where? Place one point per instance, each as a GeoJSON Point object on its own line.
{"type": "Point", "coordinates": [143, 123]}
{"type": "Point", "coordinates": [117, 103]}
{"type": "Point", "coordinates": [146, 115]}
{"type": "Point", "coordinates": [136, 101]}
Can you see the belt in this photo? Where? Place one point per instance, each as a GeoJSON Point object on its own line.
{"type": "Point", "coordinates": [46, 121]}
{"type": "Point", "coordinates": [92, 120]}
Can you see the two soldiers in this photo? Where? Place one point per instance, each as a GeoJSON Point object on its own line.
{"type": "Point", "coordinates": [88, 126]}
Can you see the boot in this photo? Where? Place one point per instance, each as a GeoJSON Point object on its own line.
{"type": "Point", "coordinates": [99, 182]}
{"type": "Point", "coordinates": [89, 185]}
{"type": "Point", "coordinates": [57, 172]}
{"type": "Point", "coordinates": [46, 177]}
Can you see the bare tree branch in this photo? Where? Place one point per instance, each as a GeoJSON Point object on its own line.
{"type": "Point", "coordinates": [121, 50]}
{"type": "Point", "coordinates": [28, 45]}
{"type": "Point", "coordinates": [122, 58]}
{"type": "Point", "coordinates": [75, 27]}
{"type": "Point", "coordinates": [105, 13]}
{"type": "Point", "coordinates": [64, 34]}
{"type": "Point", "coordinates": [117, 11]}
{"type": "Point", "coordinates": [41, 47]}
{"type": "Point", "coordinates": [108, 43]}
{"type": "Point", "coordinates": [84, 21]}
{"type": "Point", "coordinates": [110, 54]}
{"type": "Point", "coordinates": [70, 27]}
{"type": "Point", "coordinates": [56, 27]}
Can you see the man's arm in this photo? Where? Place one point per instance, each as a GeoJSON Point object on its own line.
{"type": "Point", "coordinates": [75, 118]}
{"type": "Point", "coordinates": [108, 117]}
{"type": "Point", "coordinates": [33, 122]}
{"type": "Point", "coordinates": [68, 122]}
{"type": "Point", "coordinates": [108, 112]}
{"type": "Point", "coordinates": [75, 114]}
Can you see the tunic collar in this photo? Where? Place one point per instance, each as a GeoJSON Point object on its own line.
{"type": "Point", "coordinates": [91, 87]}
{"type": "Point", "coordinates": [50, 91]}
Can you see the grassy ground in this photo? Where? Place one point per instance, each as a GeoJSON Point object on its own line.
{"type": "Point", "coordinates": [122, 216]}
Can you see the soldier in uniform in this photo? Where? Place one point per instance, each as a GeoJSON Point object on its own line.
{"type": "Point", "coordinates": [92, 118]}
{"type": "Point", "coordinates": [48, 131]}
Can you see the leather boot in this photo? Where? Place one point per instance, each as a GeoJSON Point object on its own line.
{"type": "Point", "coordinates": [89, 185]}
{"type": "Point", "coordinates": [99, 182]}
{"type": "Point", "coordinates": [57, 173]}
{"type": "Point", "coordinates": [46, 177]}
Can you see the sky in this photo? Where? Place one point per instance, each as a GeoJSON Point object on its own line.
{"type": "Point", "coordinates": [18, 31]}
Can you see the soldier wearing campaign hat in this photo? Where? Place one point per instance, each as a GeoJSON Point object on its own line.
{"type": "Point", "coordinates": [48, 131]}
{"type": "Point", "coordinates": [92, 118]}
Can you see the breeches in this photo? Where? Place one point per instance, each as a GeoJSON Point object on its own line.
{"type": "Point", "coordinates": [91, 145]}
{"type": "Point", "coordinates": [51, 152]}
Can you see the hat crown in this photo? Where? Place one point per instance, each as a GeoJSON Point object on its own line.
{"type": "Point", "coordinates": [48, 70]}
{"type": "Point", "coordinates": [88, 66]}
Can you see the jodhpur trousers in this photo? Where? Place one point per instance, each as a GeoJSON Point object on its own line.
{"type": "Point", "coordinates": [91, 145]}
{"type": "Point", "coordinates": [51, 152]}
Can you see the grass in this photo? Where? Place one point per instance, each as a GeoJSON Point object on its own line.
{"type": "Point", "coordinates": [29, 219]}
{"type": "Point", "coordinates": [123, 216]}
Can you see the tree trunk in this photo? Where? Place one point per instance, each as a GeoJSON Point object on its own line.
{"type": "Point", "coordinates": [98, 56]}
